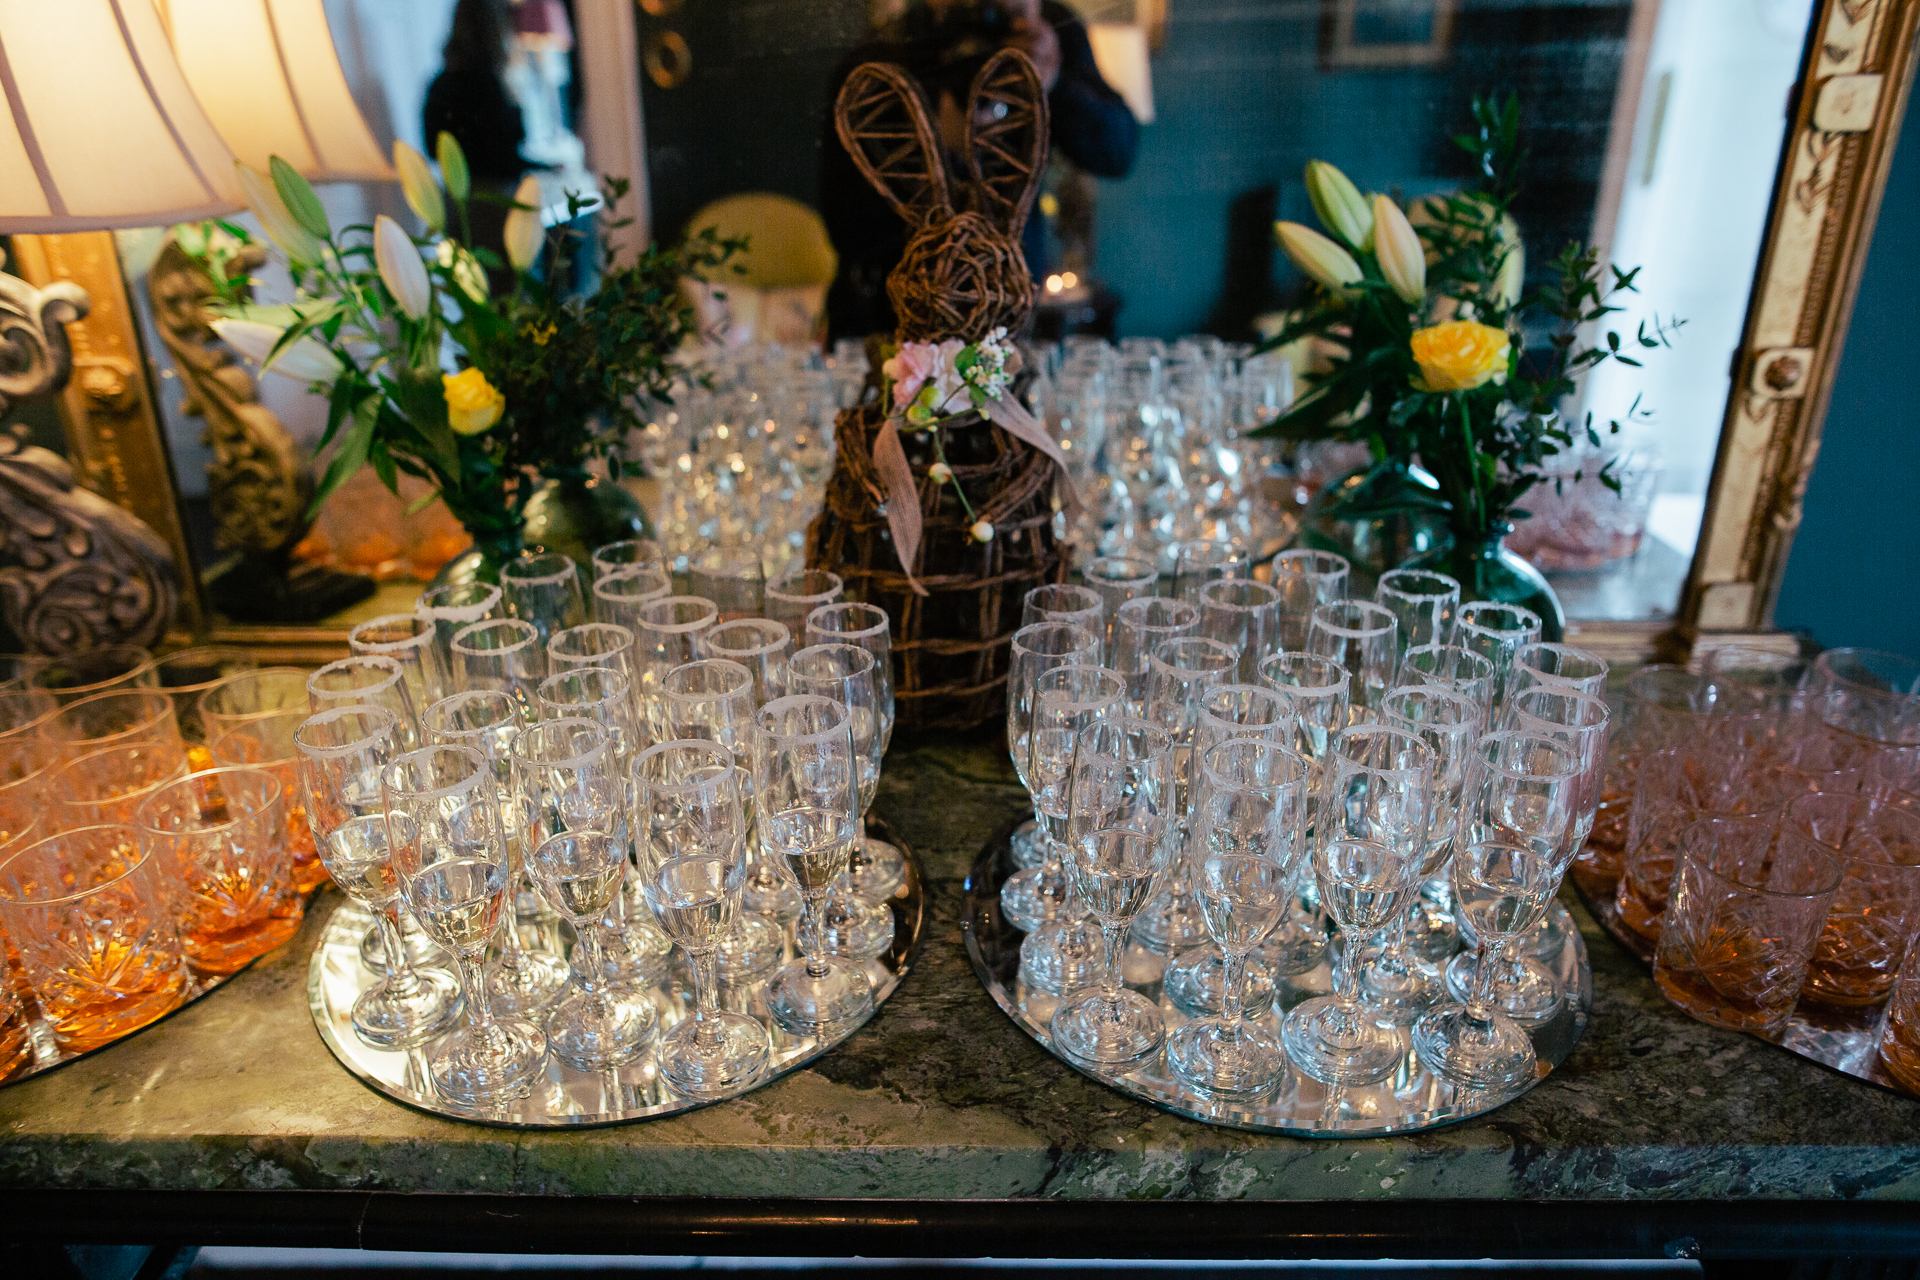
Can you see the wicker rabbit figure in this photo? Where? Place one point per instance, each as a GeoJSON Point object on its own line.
{"type": "Point", "coordinates": [955, 608]}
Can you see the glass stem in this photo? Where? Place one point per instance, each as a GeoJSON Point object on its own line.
{"type": "Point", "coordinates": [402, 981]}
{"type": "Point", "coordinates": [1053, 888]}
{"type": "Point", "coordinates": [706, 1026]}
{"type": "Point", "coordinates": [1231, 1000]}
{"type": "Point", "coordinates": [1480, 1004]}
{"type": "Point", "coordinates": [811, 932]}
{"type": "Point", "coordinates": [1112, 937]}
{"type": "Point", "coordinates": [594, 972]}
{"type": "Point", "coordinates": [473, 981]}
{"type": "Point", "coordinates": [1347, 970]}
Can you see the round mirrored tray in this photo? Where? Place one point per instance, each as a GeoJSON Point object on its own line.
{"type": "Point", "coordinates": [565, 1098]}
{"type": "Point", "coordinates": [1409, 1100]}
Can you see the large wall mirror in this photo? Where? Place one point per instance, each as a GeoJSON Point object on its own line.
{"type": "Point", "coordinates": [1731, 148]}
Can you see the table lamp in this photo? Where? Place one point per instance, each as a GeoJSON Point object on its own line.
{"type": "Point", "coordinates": [266, 74]}
{"type": "Point", "coordinates": [99, 130]}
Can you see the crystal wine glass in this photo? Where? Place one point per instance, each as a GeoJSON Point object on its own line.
{"type": "Point", "coordinates": [1196, 564]}
{"type": "Point", "coordinates": [1363, 638]}
{"type": "Point", "coordinates": [691, 832]}
{"type": "Point", "coordinates": [806, 794]}
{"type": "Point", "coordinates": [1245, 616]}
{"type": "Point", "coordinates": [367, 680]}
{"type": "Point", "coordinates": [1306, 580]}
{"type": "Point", "coordinates": [1248, 839]}
{"type": "Point", "coordinates": [449, 848]}
{"type": "Point", "coordinates": [850, 924]}
{"type": "Point", "coordinates": [526, 979]}
{"type": "Point", "coordinates": [342, 752]}
{"type": "Point", "coordinates": [504, 655]}
{"type": "Point", "coordinates": [1371, 831]}
{"type": "Point", "coordinates": [1119, 805]}
{"type": "Point", "coordinates": [543, 588]}
{"type": "Point", "coordinates": [1178, 674]}
{"type": "Point", "coordinates": [1422, 602]}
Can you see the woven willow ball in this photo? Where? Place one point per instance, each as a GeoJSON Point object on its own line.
{"type": "Point", "coordinates": [960, 279]}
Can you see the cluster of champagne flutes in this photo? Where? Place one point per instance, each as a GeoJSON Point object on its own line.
{"type": "Point", "coordinates": [747, 444]}
{"type": "Point", "coordinates": [1221, 773]}
{"type": "Point", "coordinates": [661, 769]}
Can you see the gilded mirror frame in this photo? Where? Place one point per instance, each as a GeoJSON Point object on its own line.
{"type": "Point", "coordinates": [1843, 119]}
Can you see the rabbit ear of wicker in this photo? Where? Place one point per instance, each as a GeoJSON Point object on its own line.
{"type": "Point", "coordinates": [1007, 139]}
{"type": "Point", "coordinates": [883, 125]}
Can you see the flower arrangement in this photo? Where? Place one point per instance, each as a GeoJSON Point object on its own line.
{"type": "Point", "coordinates": [934, 383]}
{"type": "Point", "coordinates": [427, 371]}
{"type": "Point", "coordinates": [1427, 310]}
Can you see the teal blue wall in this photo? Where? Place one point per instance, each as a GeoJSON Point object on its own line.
{"type": "Point", "coordinates": [1851, 576]}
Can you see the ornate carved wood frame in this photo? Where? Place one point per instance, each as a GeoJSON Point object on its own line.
{"type": "Point", "coordinates": [1843, 120]}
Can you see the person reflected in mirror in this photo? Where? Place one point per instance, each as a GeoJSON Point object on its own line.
{"type": "Point", "coordinates": [942, 44]}
{"type": "Point", "coordinates": [470, 99]}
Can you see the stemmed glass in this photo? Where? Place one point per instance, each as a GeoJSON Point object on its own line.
{"type": "Point", "coordinates": [342, 752]}
{"type": "Point", "coordinates": [1196, 564]}
{"type": "Point", "coordinates": [1451, 666]}
{"type": "Point", "coordinates": [527, 978]}
{"type": "Point", "coordinates": [597, 644]}
{"type": "Point", "coordinates": [543, 588]}
{"type": "Point", "coordinates": [619, 596]}
{"type": "Point", "coordinates": [761, 646]}
{"type": "Point", "coordinates": [409, 640]}
{"type": "Point", "coordinates": [665, 634]}
{"type": "Point", "coordinates": [875, 867]}
{"type": "Point", "coordinates": [798, 592]}
{"type": "Point", "coordinates": [690, 829]}
{"type": "Point", "coordinates": [452, 608]}
{"type": "Point", "coordinates": [1370, 835]}
{"type": "Point", "coordinates": [449, 846]}
{"type": "Point", "coordinates": [1178, 674]}
{"type": "Point", "coordinates": [1118, 579]}
{"type": "Point", "coordinates": [1243, 615]}
{"type": "Point", "coordinates": [610, 558]}
{"type": "Point", "coordinates": [1306, 580]}
{"type": "Point", "coordinates": [574, 819]}
{"type": "Point", "coordinates": [1422, 602]}
{"type": "Point", "coordinates": [1558, 664]}
{"type": "Point", "coordinates": [806, 798]}
{"type": "Point", "coordinates": [1395, 981]}
{"type": "Point", "coordinates": [732, 577]}
{"type": "Point", "coordinates": [1248, 836]}
{"type": "Point", "coordinates": [1062, 602]}
{"type": "Point", "coordinates": [1318, 688]}
{"type": "Point", "coordinates": [1058, 948]}
{"type": "Point", "coordinates": [1496, 632]}
{"type": "Point", "coordinates": [1119, 802]}
{"type": "Point", "coordinates": [1229, 711]}
{"type": "Point", "coordinates": [1363, 638]}
{"type": "Point", "coordinates": [503, 655]}
{"type": "Point", "coordinates": [1038, 647]}
{"type": "Point", "coordinates": [1139, 628]}
{"type": "Point", "coordinates": [367, 680]}
{"type": "Point", "coordinates": [849, 924]}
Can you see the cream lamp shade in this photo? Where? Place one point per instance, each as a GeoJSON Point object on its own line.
{"type": "Point", "coordinates": [98, 128]}
{"type": "Point", "coordinates": [266, 74]}
{"type": "Point", "coordinates": [1120, 51]}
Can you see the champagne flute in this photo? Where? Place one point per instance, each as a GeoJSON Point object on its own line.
{"type": "Point", "coordinates": [851, 925]}
{"type": "Point", "coordinates": [341, 754]}
{"type": "Point", "coordinates": [1370, 833]}
{"type": "Point", "coordinates": [1363, 638]}
{"type": "Point", "coordinates": [367, 680]}
{"type": "Point", "coordinates": [691, 831]}
{"type": "Point", "coordinates": [449, 848]}
{"type": "Point", "coordinates": [527, 979]}
{"type": "Point", "coordinates": [1195, 564]}
{"type": "Point", "coordinates": [1244, 615]}
{"type": "Point", "coordinates": [806, 798]}
{"type": "Point", "coordinates": [503, 655]}
{"type": "Point", "coordinates": [1306, 580]}
{"type": "Point", "coordinates": [452, 608]}
{"type": "Point", "coordinates": [610, 558]}
{"type": "Point", "coordinates": [875, 867]}
{"type": "Point", "coordinates": [1119, 803]}
{"type": "Point", "coordinates": [1449, 666]}
{"type": "Point", "coordinates": [798, 592]}
{"type": "Point", "coordinates": [1178, 674]}
{"type": "Point", "coordinates": [1062, 602]}
{"type": "Point", "coordinates": [543, 588]}
{"type": "Point", "coordinates": [761, 646]}
{"type": "Point", "coordinates": [597, 644]}
{"type": "Point", "coordinates": [667, 633]}
{"type": "Point", "coordinates": [1140, 627]}
{"type": "Point", "coordinates": [1496, 632]}
{"type": "Point", "coordinates": [1422, 602]}
{"type": "Point", "coordinates": [1248, 839]}
{"type": "Point", "coordinates": [593, 1028]}
{"type": "Point", "coordinates": [619, 596]}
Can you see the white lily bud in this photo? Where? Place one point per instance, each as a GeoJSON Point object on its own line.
{"type": "Point", "coordinates": [524, 235]}
{"type": "Point", "coordinates": [1342, 209]}
{"type": "Point", "coordinates": [276, 220]}
{"type": "Point", "coordinates": [417, 184]}
{"type": "Point", "coordinates": [1403, 259]}
{"type": "Point", "coordinates": [1316, 255]}
{"type": "Point", "coordinates": [303, 358]}
{"type": "Point", "coordinates": [401, 269]}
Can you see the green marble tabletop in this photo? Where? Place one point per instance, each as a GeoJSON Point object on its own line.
{"type": "Point", "coordinates": [941, 1097]}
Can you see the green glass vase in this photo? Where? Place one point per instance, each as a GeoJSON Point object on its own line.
{"type": "Point", "coordinates": [572, 515]}
{"type": "Point", "coordinates": [1378, 517]}
{"type": "Point", "coordinates": [1488, 571]}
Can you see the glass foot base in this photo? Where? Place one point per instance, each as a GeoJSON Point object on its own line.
{"type": "Point", "coordinates": [777, 900]}
{"type": "Point", "coordinates": [1494, 1054]}
{"type": "Point", "coordinates": [806, 1003]}
{"type": "Point", "coordinates": [534, 981]}
{"type": "Point", "coordinates": [752, 950]}
{"type": "Point", "coordinates": [1170, 924]}
{"type": "Point", "coordinates": [1194, 983]}
{"type": "Point", "coordinates": [401, 1022]}
{"type": "Point", "coordinates": [1399, 988]}
{"type": "Point", "coordinates": [853, 929]}
{"type": "Point", "coordinates": [594, 1030]}
{"type": "Point", "coordinates": [875, 870]}
{"type": "Point", "coordinates": [1061, 957]}
{"type": "Point", "coordinates": [1524, 990]}
{"type": "Point", "coordinates": [1029, 850]}
{"type": "Point", "coordinates": [1336, 1041]}
{"type": "Point", "coordinates": [1109, 1030]}
{"type": "Point", "coordinates": [736, 1055]}
{"type": "Point", "coordinates": [1027, 902]}
{"type": "Point", "coordinates": [1298, 944]}
{"type": "Point", "coordinates": [636, 954]}
{"type": "Point", "coordinates": [1432, 935]}
{"type": "Point", "coordinates": [472, 1075]}
{"type": "Point", "coordinates": [1244, 1065]}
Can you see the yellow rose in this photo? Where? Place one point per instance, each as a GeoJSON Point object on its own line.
{"type": "Point", "coordinates": [473, 405]}
{"type": "Point", "coordinates": [1460, 355]}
